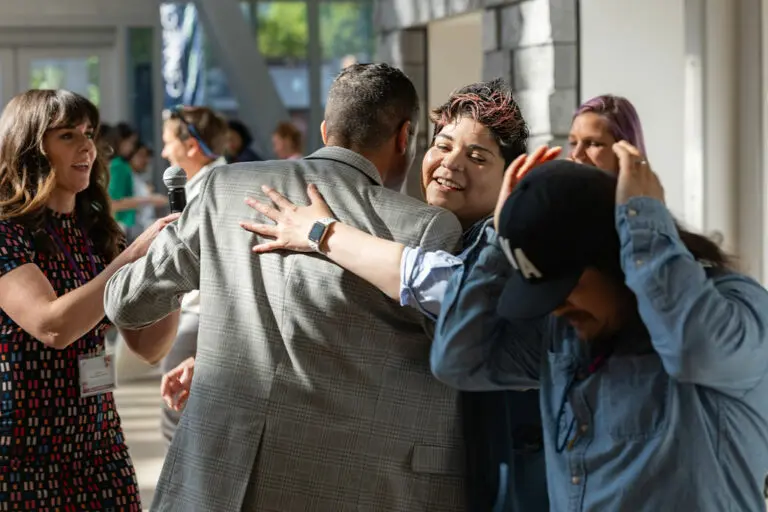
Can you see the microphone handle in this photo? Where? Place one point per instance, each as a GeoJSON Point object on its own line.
{"type": "Point", "coordinates": [177, 199]}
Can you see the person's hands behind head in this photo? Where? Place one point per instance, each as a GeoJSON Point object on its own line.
{"type": "Point", "coordinates": [176, 384]}
{"type": "Point", "coordinates": [292, 223]}
{"type": "Point", "coordinates": [517, 170]}
{"type": "Point", "coordinates": [141, 245]}
{"type": "Point", "coordinates": [636, 178]}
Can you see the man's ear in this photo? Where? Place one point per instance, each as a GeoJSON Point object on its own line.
{"type": "Point", "coordinates": [324, 132]}
{"type": "Point", "coordinates": [193, 147]}
{"type": "Point", "coordinates": [403, 137]}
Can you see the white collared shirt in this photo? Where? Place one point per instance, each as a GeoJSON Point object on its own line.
{"type": "Point", "coordinates": [191, 301]}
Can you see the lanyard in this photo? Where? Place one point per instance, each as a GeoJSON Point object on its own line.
{"type": "Point", "coordinates": [72, 263]}
{"type": "Point", "coordinates": [568, 441]}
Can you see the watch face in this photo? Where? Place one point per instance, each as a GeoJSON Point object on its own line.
{"type": "Point", "coordinates": [316, 233]}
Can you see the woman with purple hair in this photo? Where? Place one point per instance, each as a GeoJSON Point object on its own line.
{"type": "Point", "coordinates": [597, 125]}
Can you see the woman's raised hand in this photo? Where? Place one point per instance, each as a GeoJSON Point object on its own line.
{"type": "Point", "coordinates": [292, 223]}
{"type": "Point", "coordinates": [517, 171]}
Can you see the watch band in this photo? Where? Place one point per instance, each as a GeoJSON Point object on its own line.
{"type": "Point", "coordinates": [314, 243]}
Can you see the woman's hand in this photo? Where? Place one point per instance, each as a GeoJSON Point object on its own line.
{"type": "Point", "coordinates": [636, 178]}
{"type": "Point", "coordinates": [517, 170]}
{"type": "Point", "coordinates": [175, 385]}
{"type": "Point", "coordinates": [140, 246]}
{"type": "Point", "coordinates": [292, 223]}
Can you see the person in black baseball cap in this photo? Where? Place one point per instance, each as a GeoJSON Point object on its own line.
{"type": "Point", "coordinates": [642, 338]}
{"type": "Point", "coordinates": [556, 229]}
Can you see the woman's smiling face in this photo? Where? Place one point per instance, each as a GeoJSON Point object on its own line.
{"type": "Point", "coordinates": [463, 170]}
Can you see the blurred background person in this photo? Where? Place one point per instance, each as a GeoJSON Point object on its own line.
{"type": "Point", "coordinates": [239, 140]}
{"type": "Point", "coordinates": [287, 141]}
{"type": "Point", "coordinates": [194, 138]}
{"type": "Point", "coordinates": [597, 125]}
{"type": "Point", "coordinates": [61, 443]}
{"type": "Point", "coordinates": [141, 162]}
{"type": "Point", "coordinates": [125, 202]}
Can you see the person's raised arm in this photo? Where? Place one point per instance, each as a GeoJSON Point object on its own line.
{"type": "Point", "coordinates": [710, 330]}
{"type": "Point", "coordinates": [373, 259]}
{"type": "Point", "coordinates": [474, 347]}
{"type": "Point", "coordinates": [30, 301]}
{"type": "Point", "coordinates": [143, 298]}
{"type": "Point", "coordinates": [131, 203]}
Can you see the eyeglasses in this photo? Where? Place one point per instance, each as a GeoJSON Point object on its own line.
{"type": "Point", "coordinates": [177, 112]}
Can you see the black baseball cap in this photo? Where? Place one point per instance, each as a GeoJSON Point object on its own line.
{"type": "Point", "coordinates": [559, 220]}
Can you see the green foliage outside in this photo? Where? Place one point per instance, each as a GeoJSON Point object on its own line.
{"type": "Point", "coordinates": [345, 29]}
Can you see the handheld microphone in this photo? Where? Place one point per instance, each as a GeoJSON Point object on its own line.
{"type": "Point", "coordinates": [175, 178]}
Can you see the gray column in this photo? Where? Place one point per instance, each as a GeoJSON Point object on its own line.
{"type": "Point", "coordinates": [534, 45]}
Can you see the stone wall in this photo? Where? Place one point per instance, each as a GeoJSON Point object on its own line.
{"type": "Point", "coordinates": [531, 43]}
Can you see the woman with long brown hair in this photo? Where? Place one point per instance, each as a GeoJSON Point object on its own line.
{"type": "Point", "coordinates": [61, 445]}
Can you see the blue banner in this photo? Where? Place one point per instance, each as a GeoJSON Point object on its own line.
{"type": "Point", "coordinates": [183, 64]}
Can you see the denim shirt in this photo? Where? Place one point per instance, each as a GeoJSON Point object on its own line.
{"type": "Point", "coordinates": [675, 419]}
{"type": "Point", "coordinates": [502, 429]}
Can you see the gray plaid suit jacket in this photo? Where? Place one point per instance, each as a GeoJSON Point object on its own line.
{"type": "Point", "coordinates": [312, 390]}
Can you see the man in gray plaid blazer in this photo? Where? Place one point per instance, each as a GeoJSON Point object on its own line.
{"type": "Point", "coordinates": [312, 390]}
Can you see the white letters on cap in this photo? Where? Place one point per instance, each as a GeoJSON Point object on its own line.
{"type": "Point", "coordinates": [520, 261]}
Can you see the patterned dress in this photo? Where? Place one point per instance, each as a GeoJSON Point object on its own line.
{"type": "Point", "coordinates": [58, 451]}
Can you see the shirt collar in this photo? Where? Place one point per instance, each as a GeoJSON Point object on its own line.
{"type": "Point", "coordinates": [199, 176]}
{"type": "Point", "coordinates": [350, 158]}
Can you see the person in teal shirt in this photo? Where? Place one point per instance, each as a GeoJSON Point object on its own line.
{"type": "Point", "coordinates": [121, 187]}
{"type": "Point", "coordinates": [124, 142]}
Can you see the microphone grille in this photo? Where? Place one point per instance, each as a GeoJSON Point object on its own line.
{"type": "Point", "coordinates": [174, 177]}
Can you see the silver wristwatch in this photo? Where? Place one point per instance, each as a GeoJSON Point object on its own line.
{"type": "Point", "coordinates": [318, 232]}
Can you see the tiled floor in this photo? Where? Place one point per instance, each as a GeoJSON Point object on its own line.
{"type": "Point", "coordinates": [138, 404]}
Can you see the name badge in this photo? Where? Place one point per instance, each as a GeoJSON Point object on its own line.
{"type": "Point", "coordinates": [97, 374]}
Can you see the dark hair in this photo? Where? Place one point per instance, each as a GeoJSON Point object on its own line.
{"type": "Point", "coordinates": [705, 250]}
{"type": "Point", "coordinates": [367, 104]}
{"type": "Point", "coordinates": [121, 132]}
{"type": "Point", "coordinates": [492, 105]}
{"type": "Point", "coordinates": [105, 138]}
{"type": "Point", "coordinates": [210, 126]}
{"type": "Point", "coordinates": [288, 131]}
{"type": "Point", "coordinates": [242, 130]}
{"type": "Point", "coordinates": [143, 145]}
{"type": "Point", "coordinates": [27, 179]}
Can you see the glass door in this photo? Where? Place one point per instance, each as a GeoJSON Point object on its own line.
{"type": "Point", "coordinates": [84, 71]}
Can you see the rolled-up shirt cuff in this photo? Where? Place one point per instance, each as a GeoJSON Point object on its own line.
{"type": "Point", "coordinates": [423, 277]}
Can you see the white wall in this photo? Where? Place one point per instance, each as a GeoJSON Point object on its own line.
{"type": "Point", "coordinates": [455, 57]}
{"type": "Point", "coordinates": [637, 49]}
{"type": "Point", "coordinates": [693, 69]}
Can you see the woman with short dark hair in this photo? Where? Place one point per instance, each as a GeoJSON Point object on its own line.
{"type": "Point", "coordinates": [479, 132]}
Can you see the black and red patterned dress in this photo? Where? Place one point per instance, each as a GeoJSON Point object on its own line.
{"type": "Point", "coordinates": [58, 451]}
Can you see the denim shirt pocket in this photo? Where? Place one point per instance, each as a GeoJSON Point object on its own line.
{"type": "Point", "coordinates": [634, 397]}
{"type": "Point", "coordinates": [554, 387]}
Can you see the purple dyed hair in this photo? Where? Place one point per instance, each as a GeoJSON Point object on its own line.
{"type": "Point", "coordinates": [623, 121]}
